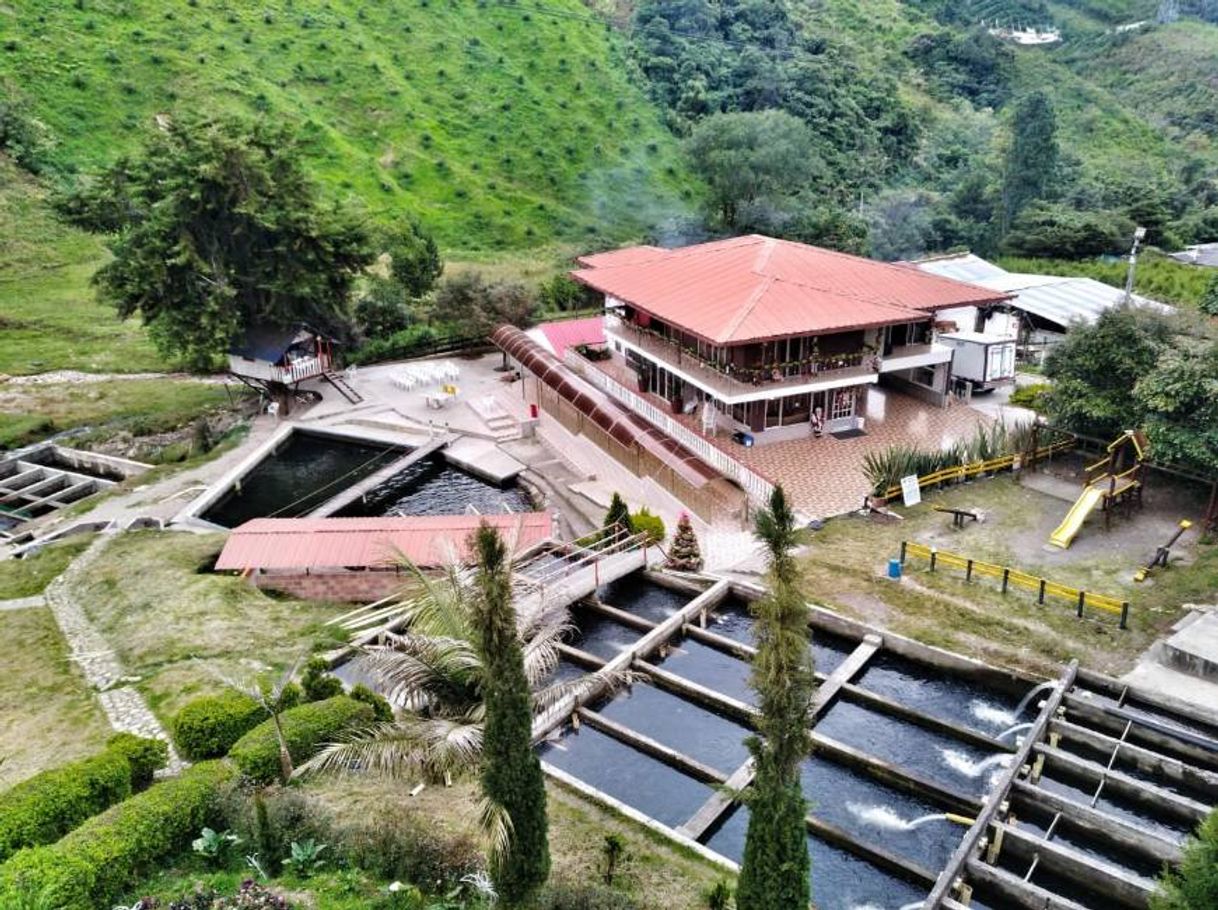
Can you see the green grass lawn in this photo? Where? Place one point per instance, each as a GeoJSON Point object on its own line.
{"type": "Point", "coordinates": [136, 406]}
{"type": "Point", "coordinates": [845, 564]}
{"type": "Point", "coordinates": [49, 316]}
{"type": "Point", "coordinates": [48, 716]}
{"type": "Point", "coordinates": [30, 576]}
{"type": "Point", "coordinates": [172, 622]}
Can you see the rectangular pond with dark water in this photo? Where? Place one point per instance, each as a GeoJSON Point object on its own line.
{"type": "Point", "coordinates": [599, 635]}
{"type": "Point", "coordinates": [643, 597]}
{"type": "Point", "coordinates": [626, 774]}
{"type": "Point", "coordinates": [875, 813]}
{"type": "Point", "coordinates": [308, 469]}
{"type": "Point", "coordinates": [731, 619]}
{"type": "Point", "coordinates": [1081, 791]}
{"type": "Point", "coordinates": [941, 695]}
{"type": "Point", "coordinates": [680, 725]}
{"type": "Point", "coordinates": [711, 668]}
{"type": "Point", "coordinates": [434, 487]}
{"type": "Point", "coordinates": [952, 763]}
{"type": "Point", "coordinates": [840, 880]}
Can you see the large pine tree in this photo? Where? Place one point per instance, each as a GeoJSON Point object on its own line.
{"type": "Point", "coordinates": [774, 874]}
{"type": "Point", "coordinates": [512, 783]}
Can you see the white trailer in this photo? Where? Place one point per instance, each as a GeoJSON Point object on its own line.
{"type": "Point", "coordinates": [984, 360]}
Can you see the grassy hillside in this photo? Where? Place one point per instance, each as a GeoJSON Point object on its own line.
{"type": "Point", "coordinates": [49, 317]}
{"type": "Point", "coordinates": [500, 128]}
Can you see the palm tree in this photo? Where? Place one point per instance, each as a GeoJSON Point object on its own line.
{"type": "Point", "coordinates": [432, 672]}
{"type": "Point", "coordinates": [273, 698]}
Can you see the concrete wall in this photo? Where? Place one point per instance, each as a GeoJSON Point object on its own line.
{"type": "Point", "coordinates": [902, 381]}
{"type": "Point", "coordinates": [342, 587]}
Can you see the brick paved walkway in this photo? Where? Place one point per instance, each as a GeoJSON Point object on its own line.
{"type": "Point", "coordinates": [824, 477]}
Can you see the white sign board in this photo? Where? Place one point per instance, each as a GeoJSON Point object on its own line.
{"type": "Point", "coordinates": [911, 493]}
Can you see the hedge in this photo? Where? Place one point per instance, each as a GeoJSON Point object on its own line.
{"type": "Point", "coordinates": [47, 806]}
{"type": "Point", "coordinates": [207, 727]}
{"type": "Point", "coordinates": [92, 866]}
{"type": "Point", "coordinates": [305, 728]}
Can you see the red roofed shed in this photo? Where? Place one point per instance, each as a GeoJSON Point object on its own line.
{"type": "Point", "coordinates": [356, 559]}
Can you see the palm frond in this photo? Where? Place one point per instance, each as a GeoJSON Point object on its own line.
{"type": "Point", "coordinates": [547, 697]}
{"type": "Point", "coordinates": [412, 746]}
{"type": "Point", "coordinates": [496, 826]}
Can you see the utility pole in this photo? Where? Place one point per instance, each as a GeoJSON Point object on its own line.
{"type": "Point", "coordinates": [1139, 234]}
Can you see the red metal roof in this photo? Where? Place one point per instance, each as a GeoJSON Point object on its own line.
{"type": "Point", "coordinates": [570, 333]}
{"type": "Point", "coordinates": [754, 288]}
{"type": "Point", "coordinates": [330, 543]}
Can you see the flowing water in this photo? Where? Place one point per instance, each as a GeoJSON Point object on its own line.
{"type": "Point", "coordinates": [644, 598]}
{"type": "Point", "coordinates": [875, 813]}
{"type": "Point", "coordinates": [602, 636]}
{"type": "Point", "coordinates": [636, 779]}
{"type": "Point", "coordinates": [680, 725]}
{"type": "Point", "coordinates": [906, 745]}
{"type": "Point", "coordinates": [711, 668]}
{"type": "Point", "coordinates": [1067, 834]}
{"type": "Point", "coordinates": [434, 487]}
{"type": "Point", "coordinates": [304, 473]}
{"type": "Point", "coordinates": [933, 692]}
{"type": "Point", "coordinates": [840, 880]}
{"type": "Point", "coordinates": [1138, 815]}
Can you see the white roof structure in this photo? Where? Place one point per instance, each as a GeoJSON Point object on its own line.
{"type": "Point", "coordinates": [1198, 254]}
{"type": "Point", "coordinates": [1053, 298]}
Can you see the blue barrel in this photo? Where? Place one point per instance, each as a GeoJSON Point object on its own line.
{"type": "Point", "coordinates": [894, 568]}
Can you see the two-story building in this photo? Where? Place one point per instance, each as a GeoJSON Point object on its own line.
{"type": "Point", "coordinates": [774, 338]}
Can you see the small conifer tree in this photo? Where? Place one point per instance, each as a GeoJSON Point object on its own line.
{"type": "Point", "coordinates": [1194, 885]}
{"type": "Point", "coordinates": [685, 555]}
{"type": "Point", "coordinates": [774, 874]}
{"type": "Point", "coordinates": [618, 514]}
{"type": "Point", "coordinates": [512, 785]}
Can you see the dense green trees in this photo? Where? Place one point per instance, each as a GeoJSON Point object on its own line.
{"type": "Point", "coordinates": [1138, 369]}
{"type": "Point", "coordinates": [512, 784]}
{"type": "Point", "coordinates": [214, 226]}
{"type": "Point", "coordinates": [752, 159]}
{"type": "Point", "coordinates": [774, 874]}
{"type": "Point", "coordinates": [475, 306]}
{"type": "Point", "coordinates": [1030, 166]}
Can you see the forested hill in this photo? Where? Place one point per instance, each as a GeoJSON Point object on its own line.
{"type": "Point", "coordinates": [516, 124]}
{"type": "Point", "coordinates": [497, 127]}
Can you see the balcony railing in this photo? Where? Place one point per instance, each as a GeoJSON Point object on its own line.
{"type": "Point", "coordinates": [728, 380]}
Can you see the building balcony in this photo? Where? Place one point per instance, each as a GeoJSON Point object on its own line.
{"type": "Point", "coordinates": [906, 357]}
{"type": "Point", "coordinates": [741, 385]}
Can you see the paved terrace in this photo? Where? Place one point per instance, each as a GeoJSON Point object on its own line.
{"type": "Point", "coordinates": [824, 477]}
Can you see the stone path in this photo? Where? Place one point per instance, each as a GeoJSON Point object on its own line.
{"type": "Point", "coordinates": [124, 705]}
{"type": "Point", "coordinates": [22, 603]}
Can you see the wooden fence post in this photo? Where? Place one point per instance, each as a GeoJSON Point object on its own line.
{"type": "Point", "coordinates": [933, 553]}
{"type": "Point", "coordinates": [1082, 596]}
{"type": "Point", "coordinates": [902, 552]}
{"type": "Point", "coordinates": [1006, 577]}
{"type": "Point", "coordinates": [968, 571]}
{"type": "Point", "coordinates": [1124, 614]}
{"type": "Point", "coordinates": [1040, 598]}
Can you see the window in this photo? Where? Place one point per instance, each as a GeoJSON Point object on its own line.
{"type": "Point", "coordinates": [843, 404]}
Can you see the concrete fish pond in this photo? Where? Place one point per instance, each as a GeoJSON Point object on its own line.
{"type": "Point", "coordinates": [322, 472]}
{"type": "Point", "coordinates": [935, 780]}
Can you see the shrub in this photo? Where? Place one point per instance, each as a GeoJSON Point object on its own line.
{"type": "Point", "coordinates": [270, 819]}
{"type": "Point", "coordinates": [49, 805]}
{"type": "Point", "coordinates": [643, 522]}
{"type": "Point", "coordinates": [392, 842]}
{"type": "Point", "coordinates": [1031, 396]}
{"type": "Point", "coordinates": [382, 711]}
{"type": "Point", "coordinates": [93, 865]}
{"type": "Point", "coordinates": [208, 727]}
{"type": "Point", "coordinates": [306, 728]}
{"type": "Point", "coordinates": [145, 756]}
{"type": "Point", "coordinates": [570, 896]}
{"type": "Point", "coordinates": [317, 682]}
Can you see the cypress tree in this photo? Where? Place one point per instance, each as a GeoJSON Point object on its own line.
{"type": "Point", "coordinates": [511, 773]}
{"type": "Point", "coordinates": [774, 874]}
{"type": "Point", "coordinates": [618, 514]}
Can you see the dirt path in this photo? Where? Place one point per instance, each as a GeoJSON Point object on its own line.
{"type": "Point", "coordinates": [76, 377]}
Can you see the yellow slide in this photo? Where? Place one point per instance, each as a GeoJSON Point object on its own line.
{"type": "Point", "coordinates": [1066, 531]}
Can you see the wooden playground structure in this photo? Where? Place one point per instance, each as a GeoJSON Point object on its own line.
{"type": "Point", "coordinates": [1115, 482]}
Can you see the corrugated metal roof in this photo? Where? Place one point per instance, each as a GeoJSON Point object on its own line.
{"type": "Point", "coordinates": [631, 255]}
{"type": "Point", "coordinates": [1059, 299]}
{"type": "Point", "coordinates": [330, 543]}
{"type": "Point", "coordinates": [571, 333]}
{"type": "Point", "coordinates": [960, 267]}
{"type": "Point", "coordinates": [754, 288]}
{"type": "Point", "coordinates": [1199, 254]}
